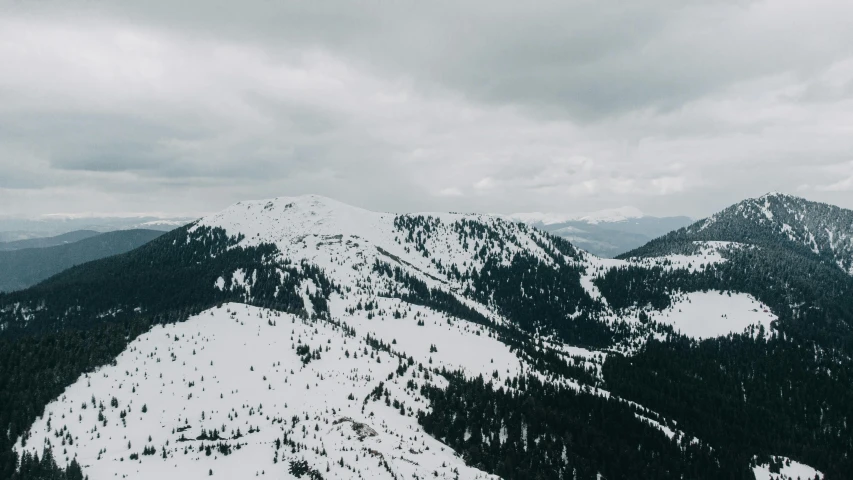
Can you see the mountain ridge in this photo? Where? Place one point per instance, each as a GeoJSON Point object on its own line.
{"type": "Point", "coordinates": [825, 230]}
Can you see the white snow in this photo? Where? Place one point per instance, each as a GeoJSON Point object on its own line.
{"type": "Point", "coordinates": [791, 470]}
{"type": "Point", "coordinates": [236, 367]}
{"type": "Point", "coordinates": [239, 278]}
{"type": "Point", "coordinates": [714, 314]}
{"type": "Point", "coordinates": [765, 208]}
{"type": "Point", "coordinates": [710, 253]}
{"type": "Point", "coordinates": [663, 428]}
{"type": "Point", "coordinates": [305, 288]}
{"type": "Point", "coordinates": [345, 241]}
{"type": "Point", "coordinates": [458, 342]}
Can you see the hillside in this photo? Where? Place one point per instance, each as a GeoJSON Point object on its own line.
{"type": "Point", "coordinates": [43, 242]}
{"type": "Point", "coordinates": [24, 267]}
{"type": "Point", "coordinates": [304, 337]}
{"type": "Point", "coordinates": [793, 253]}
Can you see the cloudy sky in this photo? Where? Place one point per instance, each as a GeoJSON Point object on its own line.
{"type": "Point", "coordinates": [184, 107]}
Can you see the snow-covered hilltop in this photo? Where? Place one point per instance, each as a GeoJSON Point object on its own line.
{"type": "Point", "coordinates": [343, 239]}
{"type": "Point", "coordinates": [823, 229]}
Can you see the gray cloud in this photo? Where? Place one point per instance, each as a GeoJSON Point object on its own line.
{"type": "Point", "coordinates": [676, 107]}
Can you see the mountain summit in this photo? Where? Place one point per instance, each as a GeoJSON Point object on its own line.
{"type": "Point", "coordinates": [777, 219]}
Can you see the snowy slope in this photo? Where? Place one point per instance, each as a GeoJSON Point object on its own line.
{"type": "Point", "coordinates": [714, 314]}
{"type": "Point", "coordinates": [235, 371]}
{"type": "Point", "coordinates": [234, 368]}
{"type": "Point", "coordinates": [346, 241]}
{"type": "Point", "coordinates": [336, 236]}
{"type": "Point", "coordinates": [790, 470]}
{"type": "Point", "coordinates": [695, 314]}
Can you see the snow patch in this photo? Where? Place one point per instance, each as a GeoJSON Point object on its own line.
{"type": "Point", "coordinates": [663, 428]}
{"type": "Point", "coordinates": [234, 373]}
{"type": "Point", "coordinates": [713, 314]}
{"type": "Point", "coordinates": [790, 470]}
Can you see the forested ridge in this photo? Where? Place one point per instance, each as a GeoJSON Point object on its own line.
{"type": "Point", "coordinates": [803, 226]}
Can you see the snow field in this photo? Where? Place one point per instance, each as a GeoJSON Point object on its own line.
{"type": "Point", "coordinates": [791, 470]}
{"type": "Point", "coordinates": [461, 345]}
{"type": "Point", "coordinates": [235, 369]}
{"type": "Point", "coordinates": [714, 313]}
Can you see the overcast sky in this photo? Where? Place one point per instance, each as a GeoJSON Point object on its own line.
{"type": "Point", "coordinates": [185, 106]}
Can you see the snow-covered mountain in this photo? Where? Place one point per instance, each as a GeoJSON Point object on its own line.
{"type": "Point", "coordinates": [824, 229]}
{"type": "Point", "coordinates": [606, 233]}
{"type": "Point", "coordinates": [775, 218]}
{"type": "Point", "coordinates": [305, 338]}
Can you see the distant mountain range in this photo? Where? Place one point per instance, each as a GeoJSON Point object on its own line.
{"type": "Point", "coordinates": [24, 263]}
{"type": "Point", "coordinates": [13, 229]}
{"type": "Point", "coordinates": [41, 242]}
{"type": "Point", "coordinates": [607, 233]}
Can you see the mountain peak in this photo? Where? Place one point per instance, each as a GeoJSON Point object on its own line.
{"type": "Point", "coordinates": [280, 220]}
{"type": "Point", "coordinates": [308, 201]}
{"type": "Point", "coordinates": [780, 219]}
{"type": "Point", "coordinates": [774, 195]}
